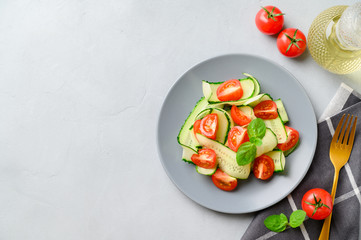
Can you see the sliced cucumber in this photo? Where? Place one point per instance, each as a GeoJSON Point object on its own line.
{"type": "Point", "coordinates": [257, 87]}
{"type": "Point", "coordinates": [225, 122]}
{"type": "Point", "coordinates": [278, 159]}
{"type": "Point", "coordinates": [206, 171]}
{"type": "Point", "coordinates": [185, 134]}
{"type": "Point", "coordinates": [281, 110]}
{"type": "Point", "coordinates": [257, 99]}
{"type": "Point", "coordinates": [269, 142]}
{"type": "Point", "coordinates": [187, 154]}
{"type": "Point", "coordinates": [226, 158]}
{"type": "Point", "coordinates": [288, 152]}
{"type": "Point", "coordinates": [203, 113]}
{"type": "Point", "coordinates": [277, 126]}
{"type": "Point", "coordinates": [210, 91]}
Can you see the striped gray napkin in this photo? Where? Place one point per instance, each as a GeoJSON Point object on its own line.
{"type": "Point", "coordinates": [346, 213]}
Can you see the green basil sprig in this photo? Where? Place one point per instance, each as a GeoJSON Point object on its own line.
{"type": "Point", "coordinates": [256, 130]}
{"type": "Point", "coordinates": [247, 151]}
{"type": "Point", "coordinates": [278, 223]}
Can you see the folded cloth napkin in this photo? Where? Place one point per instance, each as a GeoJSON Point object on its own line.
{"type": "Point", "coordinates": [345, 222]}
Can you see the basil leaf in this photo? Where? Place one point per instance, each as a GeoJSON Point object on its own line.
{"type": "Point", "coordinates": [256, 128]}
{"type": "Point", "coordinates": [246, 153]}
{"type": "Point", "coordinates": [276, 223]}
{"type": "Point", "coordinates": [297, 218]}
{"type": "Point", "coordinates": [283, 218]}
{"type": "Point", "coordinates": [256, 141]}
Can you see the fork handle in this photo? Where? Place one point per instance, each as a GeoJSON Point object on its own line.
{"type": "Point", "coordinates": [325, 232]}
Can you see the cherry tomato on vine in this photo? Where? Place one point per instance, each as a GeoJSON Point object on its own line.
{"type": "Point", "coordinates": [317, 203]}
{"type": "Point", "coordinates": [269, 20]}
{"type": "Point", "coordinates": [291, 42]}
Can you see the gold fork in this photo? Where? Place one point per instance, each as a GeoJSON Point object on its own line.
{"type": "Point", "coordinates": [340, 150]}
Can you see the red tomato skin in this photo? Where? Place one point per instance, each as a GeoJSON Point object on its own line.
{"type": "Point", "coordinates": [235, 90]}
{"type": "Point", "coordinates": [266, 110]}
{"type": "Point", "coordinates": [206, 158]}
{"type": "Point", "coordinates": [263, 167]}
{"type": "Point", "coordinates": [196, 126]}
{"type": "Point", "coordinates": [239, 117]}
{"type": "Point", "coordinates": [322, 212]}
{"type": "Point", "coordinates": [292, 139]}
{"type": "Point", "coordinates": [267, 25]}
{"type": "Point", "coordinates": [209, 125]}
{"type": "Point", "coordinates": [223, 181]}
{"type": "Point", "coordinates": [236, 136]}
{"type": "Point", "coordinates": [283, 42]}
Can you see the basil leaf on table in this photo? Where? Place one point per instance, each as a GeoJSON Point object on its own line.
{"type": "Point", "coordinates": [276, 223]}
{"type": "Point", "coordinates": [246, 153]}
{"type": "Point", "coordinates": [297, 218]}
{"type": "Point", "coordinates": [256, 128]}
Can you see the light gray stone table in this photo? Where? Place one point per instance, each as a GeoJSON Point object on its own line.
{"type": "Point", "coordinates": [82, 82]}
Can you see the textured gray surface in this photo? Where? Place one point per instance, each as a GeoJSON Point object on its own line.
{"type": "Point", "coordinates": [82, 83]}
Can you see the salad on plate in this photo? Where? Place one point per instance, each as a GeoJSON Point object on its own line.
{"type": "Point", "coordinates": [234, 130]}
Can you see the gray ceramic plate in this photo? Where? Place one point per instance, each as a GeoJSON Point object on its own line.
{"type": "Point", "coordinates": [251, 194]}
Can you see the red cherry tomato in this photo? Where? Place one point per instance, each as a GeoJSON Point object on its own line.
{"type": "Point", "coordinates": [317, 203]}
{"type": "Point", "coordinates": [269, 20]}
{"type": "Point", "coordinates": [196, 127]}
{"type": "Point", "coordinates": [206, 158]}
{"type": "Point", "coordinates": [292, 138]}
{"type": "Point", "coordinates": [223, 181]}
{"type": "Point", "coordinates": [209, 125]}
{"type": "Point", "coordinates": [291, 42]}
{"type": "Point", "coordinates": [230, 90]}
{"type": "Point", "coordinates": [263, 167]}
{"type": "Point", "coordinates": [239, 117]}
{"type": "Point", "coordinates": [266, 110]}
{"type": "Point", "coordinates": [236, 137]}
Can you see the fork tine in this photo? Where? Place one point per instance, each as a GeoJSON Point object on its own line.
{"type": "Point", "coordinates": [352, 136]}
{"type": "Point", "coordinates": [337, 132]}
{"type": "Point", "coordinates": [343, 129]}
{"type": "Point", "coordinates": [345, 139]}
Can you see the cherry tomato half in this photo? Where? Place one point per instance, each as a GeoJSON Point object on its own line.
{"type": "Point", "coordinates": [269, 20]}
{"type": "Point", "coordinates": [236, 137]}
{"type": "Point", "coordinates": [196, 126]}
{"type": "Point", "coordinates": [263, 167]}
{"type": "Point", "coordinates": [230, 90]}
{"type": "Point", "coordinates": [209, 125]}
{"type": "Point", "coordinates": [266, 110]}
{"type": "Point", "coordinates": [291, 42]}
{"type": "Point", "coordinates": [292, 138]}
{"type": "Point", "coordinates": [317, 203]}
{"type": "Point", "coordinates": [223, 181]}
{"type": "Point", "coordinates": [239, 117]}
{"type": "Point", "coordinates": [206, 158]}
